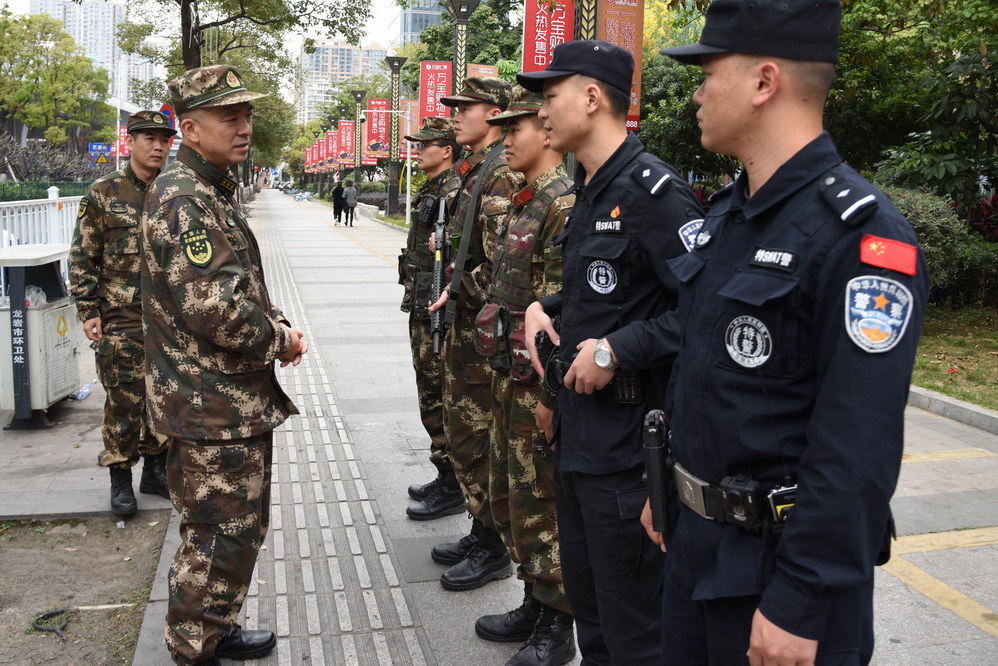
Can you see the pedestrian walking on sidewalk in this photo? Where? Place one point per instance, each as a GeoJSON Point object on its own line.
{"type": "Point", "coordinates": [212, 336]}
{"type": "Point", "coordinates": [338, 203]}
{"type": "Point", "coordinates": [801, 307]}
{"type": "Point", "coordinates": [349, 202]}
{"type": "Point", "coordinates": [104, 275]}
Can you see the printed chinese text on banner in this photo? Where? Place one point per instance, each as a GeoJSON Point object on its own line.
{"type": "Point", "coordinates": [410, 109]}
{"type": "Point", "coordinates": [122, 144]}
{"type": "Point", "coordinates": [344, 154]}
{"type": "Point", "coordinates": [545, 27]}
{"type": "Point", "coordinates": [434, 83]}
{"type": "Point", "coordinates": [621, 22]}
{"type": "Point", "coordinates": [376, 144]}
{"type": "Point", "coordinates": [332, 144]}
{"type": "Point", "coordinates": [476, 69]}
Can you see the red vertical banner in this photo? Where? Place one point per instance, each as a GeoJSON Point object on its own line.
{"type": "Point", "coordinates": [545, 26]}
{"type": "Point", "coordinates": [308, 160]}
{"type": "Point", "coordinates": [434, 83]}
{"type": "Point", "coordinates": [376, 144]}
{"type": "Point", "coordinates": [408, 124]}
{"type": "Point", "coordinates": [344, 154]}
{"type": "Point", "coordinates": [332, 144]}
{"type": "Point", "coordinates": [122, 144]}
{"type": "Point", "coordinates": [621, 22]}
{"type": "Point", "coordinates": [320, 156]}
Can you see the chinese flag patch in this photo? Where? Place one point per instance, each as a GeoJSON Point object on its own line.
{"type": "Point", "coordinates": [887, 253]}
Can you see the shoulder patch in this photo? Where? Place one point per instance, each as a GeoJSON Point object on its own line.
{"type": "Point", "coordinates": [197, 246]}
{"type": "Point", "coordinates": [83, 207]}
{"type": "Point", "coordinates": [688, 234]}
{"type": "Point", "coordinates": [877, 311]}
{"type": "Point", "coordinates": [851, 197]}
{"type": "Point", "coordinates": [653, 176]}
{"type": "Point", "coordinates": [888, 253]}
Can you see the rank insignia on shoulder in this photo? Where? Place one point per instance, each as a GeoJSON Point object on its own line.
{"type": "Point", "coordinates": [83, 207]}
{"type": "Point", "coordinates": [653, 177]}
{"type": "Point", "coordinates": [688, 234]}
{"type": "Point", "coordinates": [227, 185]}
{"type": "Point", "coordinates": [853, 199]}
{"type": "Point", "coordinates": [606, 226]}
{"type": "Point", "coordinates": [783, 260]}
{"type": "Point", "coordinates": [877, 312]}
{"type": "Point", "coordinates": [888, 253]}
{"type": "Point", "coordinates": [197, 246]}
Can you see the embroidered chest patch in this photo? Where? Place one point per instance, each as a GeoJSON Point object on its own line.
{"type": "Point", "coordinates": [606, 226]}
{"type": "Point", "coordinates": [197, 247]}
{"type": "Point", "coordinates": [877, 311]}
{"type": "Point", "coordinates": [783, 260]}
{"type": "Point", "coordinates": [602, 277]}
{"type": "Point", "coordinates": [748, 341]}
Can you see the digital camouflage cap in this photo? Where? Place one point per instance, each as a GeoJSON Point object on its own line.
{"type": "Point", "coordinates": [481, 89]}
{"type": "Point", "coordinates": [150, 120]}
{"type": "Point", "coordinates": [523, 103]}
{"type": "Point", "coordinates": [433, 128]}
{"type": "Point", "coordinates": [218, 85]}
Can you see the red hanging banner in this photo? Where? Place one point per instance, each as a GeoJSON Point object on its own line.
{"type": "Point", "coordinates": [621, 22]}
{"type": "Point", "coordinates": [545, 26]}
{"type": "Point", "coordinates": [434, 82]}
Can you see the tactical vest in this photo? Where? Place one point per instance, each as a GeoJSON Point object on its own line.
{"type": "Point", "coordinates": [416, 259]}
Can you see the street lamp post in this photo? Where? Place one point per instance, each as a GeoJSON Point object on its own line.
{"type": "Point", "coordinates": [461, 10]}
{"type": "Point", "coordinates": [358, 96]}
{"type": "Point", "coordinates": [315, 138]}
{"type": "Point", "coordinates": [395, 63]}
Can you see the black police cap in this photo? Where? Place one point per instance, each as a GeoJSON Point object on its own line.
{"type": "Point", "coordinates": [600, 60]}
{"type": "Point", "coordinates": [792, 29]}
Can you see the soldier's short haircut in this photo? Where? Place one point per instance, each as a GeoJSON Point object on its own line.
{"type": "Point", "coordinates": [813, 79]}
{"type": "Point", "coordinates": [455, 148]}
{"type": "Point", "coordinates": [618, 101]}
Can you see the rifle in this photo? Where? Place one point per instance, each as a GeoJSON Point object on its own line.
{"type": "Point", "coordinates": [657, 466]}
{"type": "Point", "coordinates": [439, 264]}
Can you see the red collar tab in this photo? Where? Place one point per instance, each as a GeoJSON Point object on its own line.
{"type": "Point", "coordinates": [887, 253]}
{"type": "Point", "coordinates": [463, 168]}
{"type": "Point", "coordinates": [522, 197]}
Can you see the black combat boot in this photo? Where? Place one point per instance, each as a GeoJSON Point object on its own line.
{"type": "Point", "coordinates": [446, 499]}
{"type": "Point", "coordinates": [122, 496]}
{"type": "Point", "coordinates": [242, 644]}
{"type": "Point", "coordinates": [419, 491]}
{"type": "Point", "coordinates": [551, 644]}
{"type": "Point", "coordinates": [153, 480]}
{"type": "Point", "coordinates": [452, 553]}
{"type": "Point", "coordinates": [487, 560]}
{"type": "Point", "coordinates": [515, 626]}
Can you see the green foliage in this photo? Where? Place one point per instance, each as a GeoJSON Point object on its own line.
{"type": "Point", "coordinates": [668, 121]}
{"type": "Point", "coordinates": [373, 186]}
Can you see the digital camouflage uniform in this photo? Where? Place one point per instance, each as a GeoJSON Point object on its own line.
{"type": "Point", "coordinates": [416, 274]}
{"type": "Point", "coordinates": [212, 336]}
{"type": "Point", "coordinates": [467, 376]}
{"type": "Point", "coordinates": [104, 280]}
{"type": "Point", "coordinates": [521, 480]}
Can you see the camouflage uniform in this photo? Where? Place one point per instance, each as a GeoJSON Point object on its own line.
{"type": "Point", "coordinates": [467, 378]}
{"type": "Point", "coordinates": [416, 273]}
{"type": "Point", "coordinates": [521, 471]}
{"type": "Point", "coordinates": [211, 338]}
{"type": "Point", "coordinates": [104, 280]}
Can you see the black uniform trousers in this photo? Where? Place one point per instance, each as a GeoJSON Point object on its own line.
{"type": "Point", "coordinates": [612, 571]}
{"type": "Point", "coordinates": [716, 632]}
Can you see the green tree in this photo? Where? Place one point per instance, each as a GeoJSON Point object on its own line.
{"type": "Point", "coordinates": [47, 83]}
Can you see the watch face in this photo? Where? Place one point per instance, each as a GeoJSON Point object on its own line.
{"type": "Point", "coordinates": [603, 358]}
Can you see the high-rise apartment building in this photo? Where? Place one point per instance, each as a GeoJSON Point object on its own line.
{"type": "Point", "coordinates": [417, 18]}
{"type": "Point", "coordinates": [333, 62]}
{"type": "Point", "coordinates": [93, 26]}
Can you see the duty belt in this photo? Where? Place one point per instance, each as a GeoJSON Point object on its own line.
{"type": "Point", "coordinates": [705, 499]}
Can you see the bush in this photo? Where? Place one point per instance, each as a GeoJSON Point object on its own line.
{"type": "Point", "coordinates": [379, 199]}
{"type": "Point", "coordinates": [963, 268]}
{"type": "Point", "coordinates": [368, 186]}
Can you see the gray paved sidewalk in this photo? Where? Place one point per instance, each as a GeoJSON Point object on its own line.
{"type": "Point", "coordinates": [346, 578]}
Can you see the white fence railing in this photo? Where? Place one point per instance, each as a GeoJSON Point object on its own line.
{"type": "Point", "coordinates": [49, 220]}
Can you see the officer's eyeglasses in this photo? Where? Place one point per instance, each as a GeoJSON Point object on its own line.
{"type": "Point", "coordinates": [420, 145]}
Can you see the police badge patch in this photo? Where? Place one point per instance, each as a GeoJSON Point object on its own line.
{"type": "Point", "coordinates": [197, 247]}
{"type": "Point", "coordinates": [602, 278]}
{"type": "Point", "coordinates": [748, 341]}
{"type": "Point", "coordinates": [877, 311]}
{"type": "Point", "coordinates": [688, 234]}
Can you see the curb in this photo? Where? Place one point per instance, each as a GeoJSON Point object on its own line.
{"type": "Point", "coordinates": [981, 418]}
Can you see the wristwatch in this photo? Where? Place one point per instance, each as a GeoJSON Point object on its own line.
{"type": "Point", "coordinates": [603, 356]}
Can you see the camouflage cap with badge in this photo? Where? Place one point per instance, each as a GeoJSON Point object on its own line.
{"type": "Point", "coordinates": [217, 85]}
{"type": "Point", "coordinates": [150, 120]}
{"type": "Point", "coordinates": [433, 128]}
{"type": "Point", "coordinates": [480, 89]}
{"type": "Point", "coordinates": [522, 103]}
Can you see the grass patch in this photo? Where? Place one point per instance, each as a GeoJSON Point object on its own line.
{"type": "Point", "coordinates": [394, 220]}
{"type": "Point", "coordinates": [958, 354]}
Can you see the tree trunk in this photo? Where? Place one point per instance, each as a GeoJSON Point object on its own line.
{"type": "Point", "coordinates": [190, 36]}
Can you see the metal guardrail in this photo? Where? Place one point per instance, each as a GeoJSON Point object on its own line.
{"type": "Point", "coordinates": [49, 220]}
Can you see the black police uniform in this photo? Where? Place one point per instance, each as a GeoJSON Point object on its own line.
{"type": "Point", "coordinates": [800, 312]}
{"type": "Point", "coordinates": [626, 223]}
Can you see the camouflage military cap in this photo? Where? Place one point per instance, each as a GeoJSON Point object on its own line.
{"type": "Point", "coordinates": [218, 85]}
{"type": "Point", "coordinates": [481, 89]}
{"type": "Point", "coordinates": [522, 103]}
{"type": "Point", "coordinates": [150, 120]}
{"type": "Point", "coordinates": [433, 128]}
